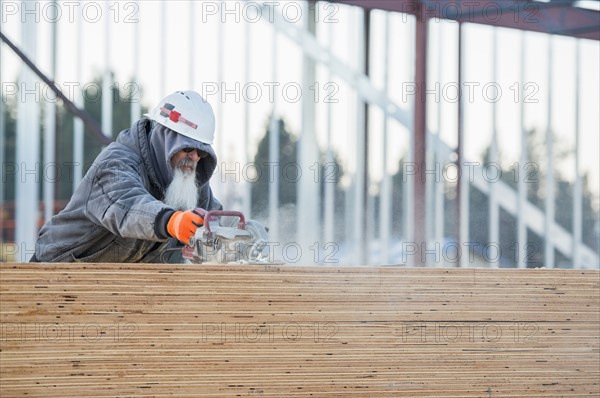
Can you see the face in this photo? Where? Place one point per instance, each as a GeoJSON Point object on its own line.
{"type": "Point", "coordinates": [186, 160]}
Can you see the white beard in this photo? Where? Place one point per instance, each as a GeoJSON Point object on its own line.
{"type": "Point", "coordinates": [182, 192]}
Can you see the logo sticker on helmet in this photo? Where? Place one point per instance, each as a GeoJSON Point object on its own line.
{"type": "Point", "coordinates": [167, 107]}
{"type": "Point", "coordinates": [169, 111]}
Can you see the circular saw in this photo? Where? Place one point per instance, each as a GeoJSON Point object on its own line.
{"type": "Point", "coordinates": [228, 238]}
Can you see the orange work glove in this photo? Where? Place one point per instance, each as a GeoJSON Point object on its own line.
{"type": "Point", "coordinates": [183, 224]}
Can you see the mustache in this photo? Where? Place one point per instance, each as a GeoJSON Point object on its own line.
{"type": "Point", "coordinates": [186, 163]}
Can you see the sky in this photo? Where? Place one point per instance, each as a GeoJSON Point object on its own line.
{"type": "Point", "coordinates": [219, 44]}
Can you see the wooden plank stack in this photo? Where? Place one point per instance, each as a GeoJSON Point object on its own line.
{"type": "Point", "coordinates": [106, 330]}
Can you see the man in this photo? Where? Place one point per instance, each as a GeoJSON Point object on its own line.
{"type": "Point", "coordinates": [141, 190]}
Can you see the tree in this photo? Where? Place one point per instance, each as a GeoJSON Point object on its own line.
{"type": "Point", "coordinates": [93, 105]}
{"type": "Point", "coordinates": [287, 156]}
{"type": "Point", "coordinates": [534, 176]}
{"type": "Point", "coordinates": [288, 186]}
{"type": "Point", "coordinates": [64, 143]}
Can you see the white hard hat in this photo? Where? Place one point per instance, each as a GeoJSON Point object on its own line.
{"type": "Point", "coordinates": [186, 113]}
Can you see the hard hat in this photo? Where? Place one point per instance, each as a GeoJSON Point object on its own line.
{"type": "Point", "coordinates": [186, 113]}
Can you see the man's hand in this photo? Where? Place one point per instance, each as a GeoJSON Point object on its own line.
{"type": "Point", "coordinates": [183, 224]}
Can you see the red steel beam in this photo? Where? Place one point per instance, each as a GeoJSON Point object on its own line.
{"type": "Point", "coordinates": [419, 146]}
{"type": "Point", "coordinates": [554, 17]}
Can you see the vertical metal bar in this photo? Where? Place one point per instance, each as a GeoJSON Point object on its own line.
{"type": "Point", "coordinates": [430, 155]}
{"type": "Point", "coordinates": [439, 157]}
{"type": "Point", "coordinates": [192, 48]}
{"type": "Point", "coordinates": [219, 142]}
{"type": "Point", "coordinates": [330, 184]}
{"type": "Point", "coordinates": [494, 214]}
{"type": "Point", "coordinates": [368, 215]}
{"type": "Point", "coordinates": [50, 130]}
{"type": "Point", "coordinates": [420, 132]}
{"type": "Point", "coordinates": [549, 200]}
{"type": "Point", "coordinates": [408, 192]}
{"type": "Point", "coordinates": [78, 144]}
{"type": "Point", "coordinates": [135, 105]}
{"type": "Point", "coordinates": [359, 194]}
{"type": "Point", "coordinates": [386, 182]}
{"type": "Point", "coordinates": [247, 197]}
{"type": "Point", "coordinates": [2, 123]}
{"type": "Point", "coordinates": [162, 59]}
{"type": "Point", "coordinates": [521, 250]}
{"type": "Point", "coordinates": [463, 183]}
{"type": "Point", "coordinates": [28, 149]}
{"type": "Point", "coordinates": [309, 225]}
{"type": "Point", "coordinates": [577, 188]}
{"type": "Point", "coordinates": [107, 78]}
{"type": "Point", "coordinates": [275, 167]}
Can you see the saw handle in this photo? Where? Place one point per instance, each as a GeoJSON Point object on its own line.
{"type": "Point", "coordinates": [213, 214]}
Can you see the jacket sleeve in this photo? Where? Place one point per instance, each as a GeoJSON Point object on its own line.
{"type": "Point", "coordinates": [120, 202]}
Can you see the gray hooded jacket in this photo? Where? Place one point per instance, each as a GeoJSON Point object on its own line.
{"type": "Point", "coordinates": [116, 213]}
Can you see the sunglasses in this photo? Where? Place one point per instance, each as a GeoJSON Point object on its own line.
{"type": "Point", "coordinates": [201, 154]}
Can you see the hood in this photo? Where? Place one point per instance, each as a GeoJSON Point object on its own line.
{"type": "Point", "coordinates": [164, 143]}
{"type": "Point", "coordinates": [157, 144]}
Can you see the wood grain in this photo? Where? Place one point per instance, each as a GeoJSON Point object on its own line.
{"type": "Point", "coordinates": [106, 330]}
